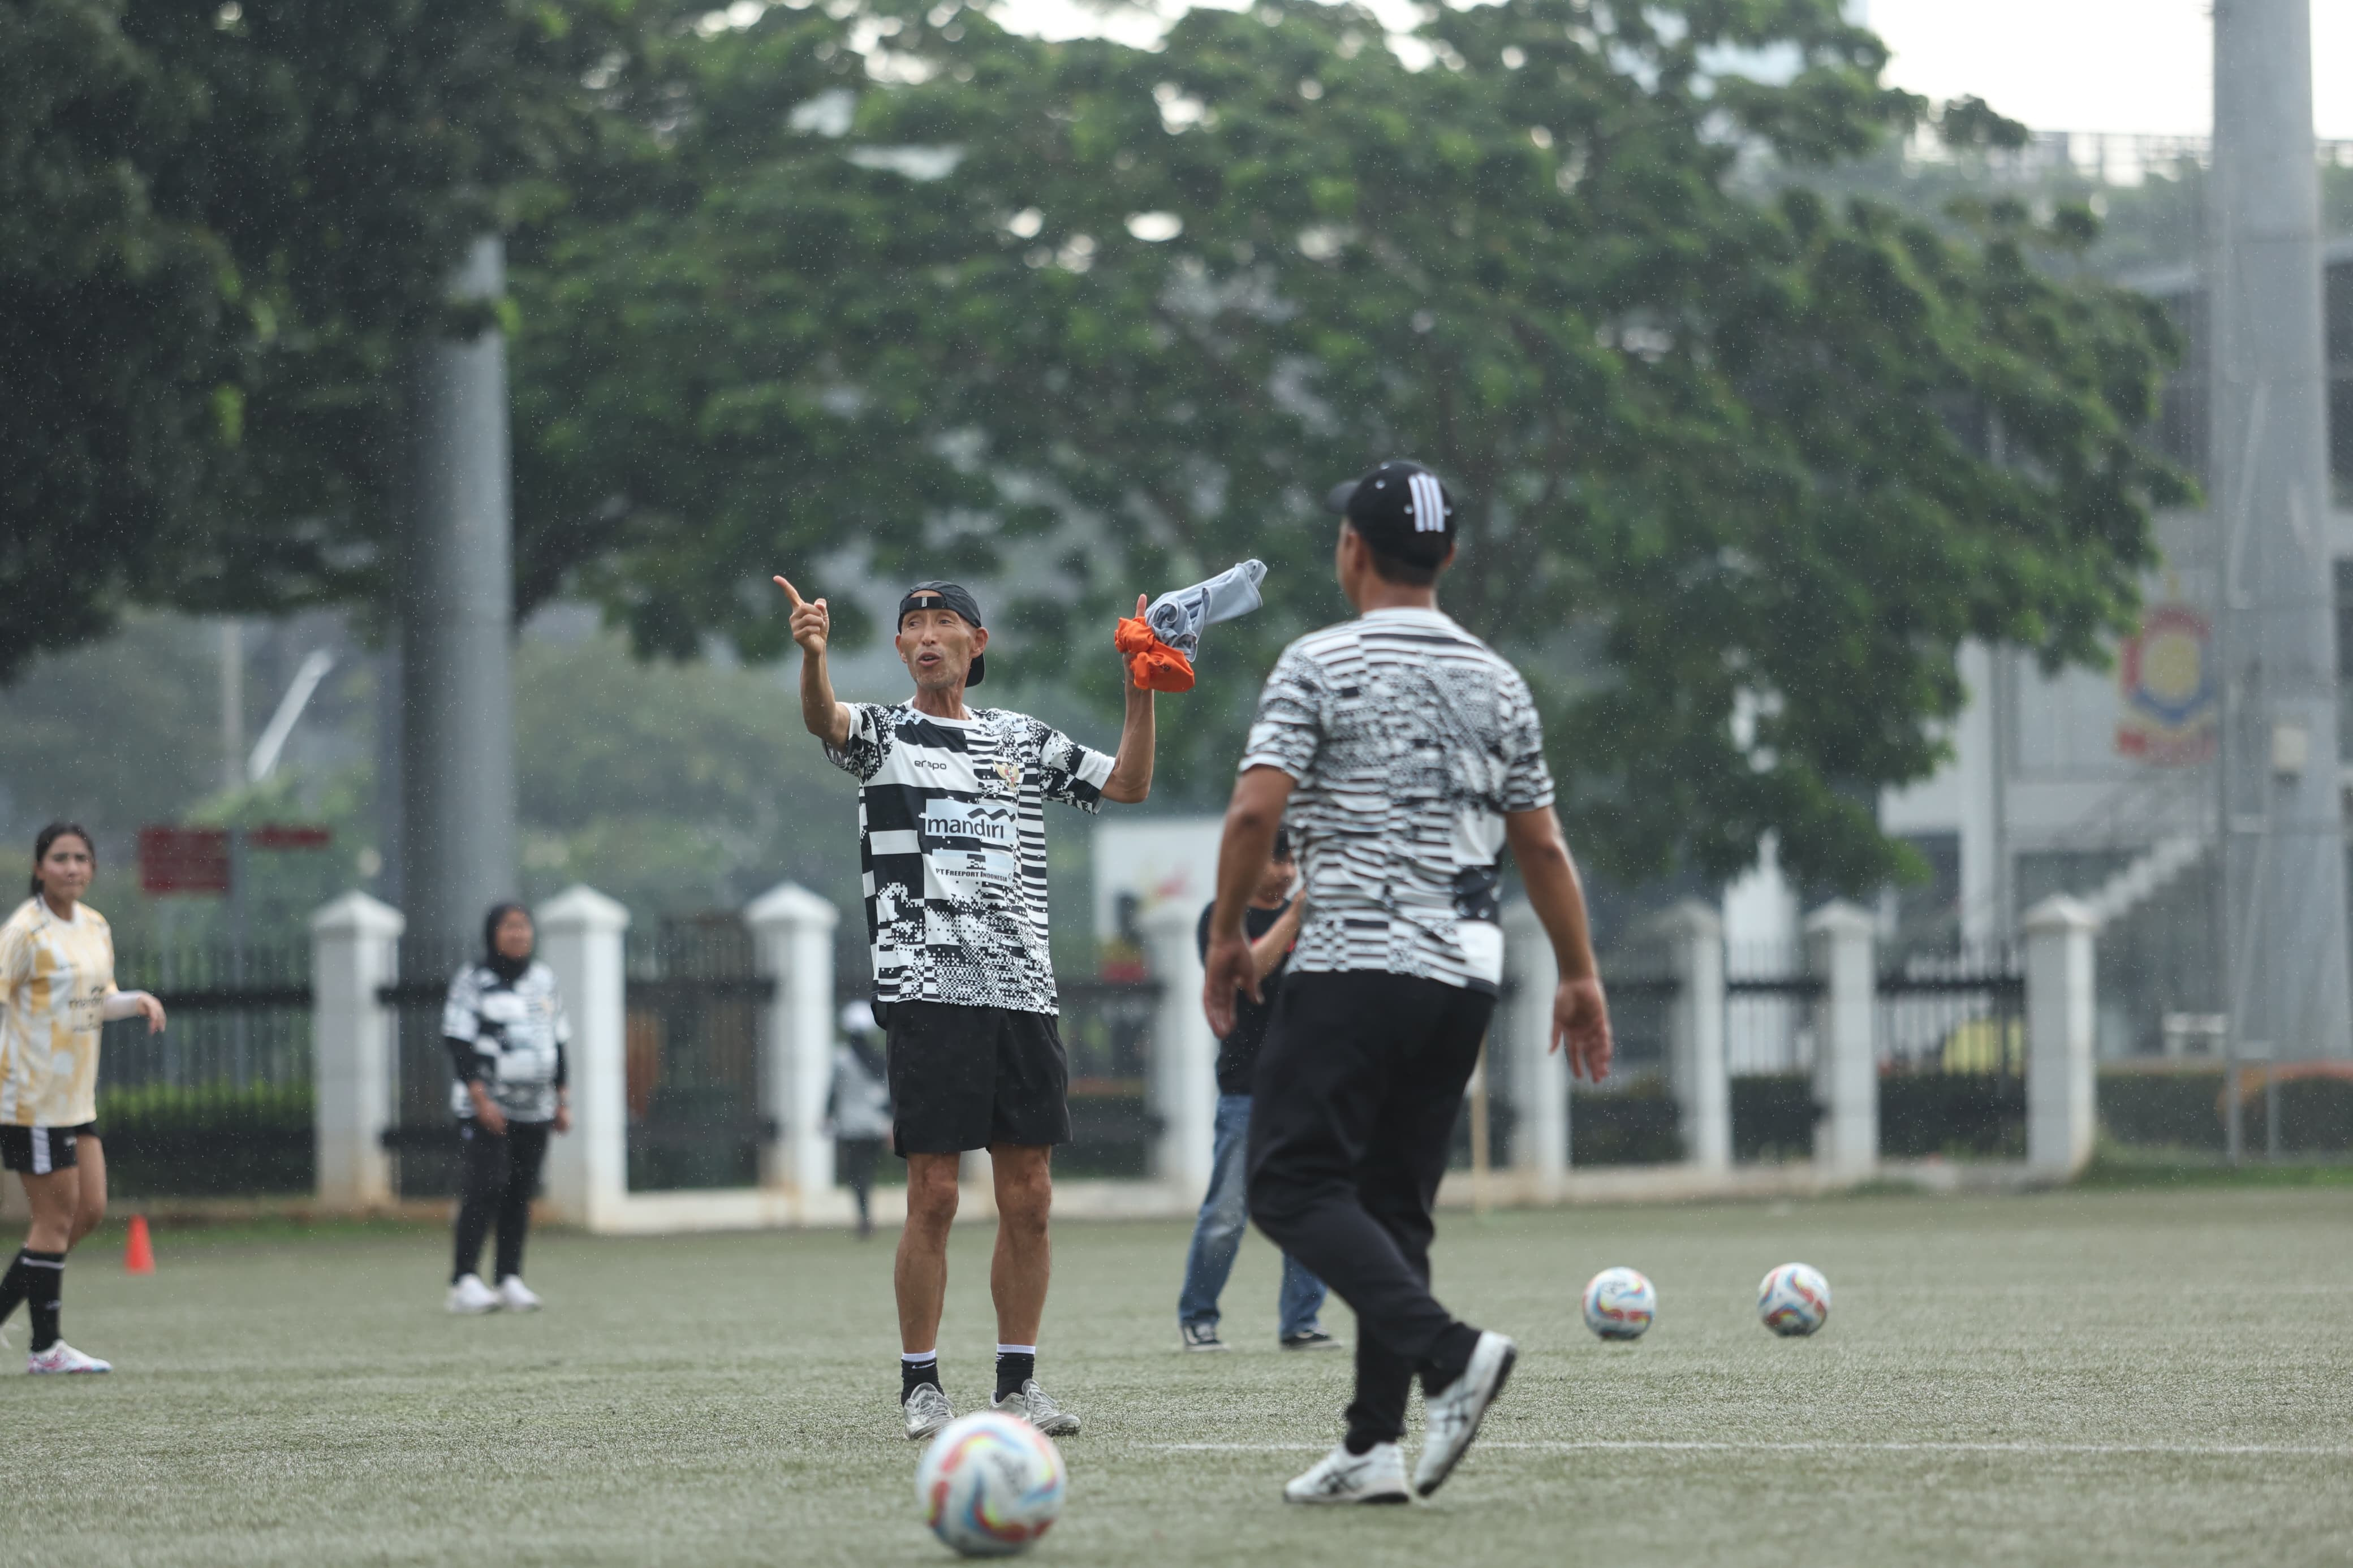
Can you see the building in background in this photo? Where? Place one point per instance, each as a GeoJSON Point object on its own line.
{"type": "Point", "coordinates": [2104, 785]}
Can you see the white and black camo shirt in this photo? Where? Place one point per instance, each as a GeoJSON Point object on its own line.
{"type": "Point", "coordinates": [952, 840]}
{"type": "Point", "coordinates": [511, 1035]}
{"type": "Point", "coordinates": [1409, 739]}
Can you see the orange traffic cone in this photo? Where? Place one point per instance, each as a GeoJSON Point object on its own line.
{"type": "Point", "coordinates": [138, 1257]}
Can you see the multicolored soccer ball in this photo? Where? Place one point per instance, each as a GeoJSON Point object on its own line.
{"type": "Point", "coordinates": [990, 1485]}
{"type": "Point", "coordinates": [1794, 1299]}
{"type": "Point", "coordinates": [1620, 1304]}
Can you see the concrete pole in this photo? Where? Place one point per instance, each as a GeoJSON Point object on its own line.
{"type": "Point", "coordinates": [1839, 952]}
{"type": "Point", "coordinates": [457, 770]}
{"type": "Point", "coordinates": [2282, 817]}
{"type": "Point", "coordinates": [1182, 1086]}
{"type": "Point", "coordinates": [792, 930]}
{"type": "Point", "coordinates": [1539, 1076]}
{"type": "Point", "coordinates": [581, 932]}
{"type": "Point", "coordinates": [1694, 933]}
{"type": "Point", "coordinates": [2061, 1092]}
{"type": "Point", "coordinates": [354, 951]}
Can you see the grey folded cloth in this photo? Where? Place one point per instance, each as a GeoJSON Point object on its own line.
{"type": "Point", "coordinates": [1177, 618]}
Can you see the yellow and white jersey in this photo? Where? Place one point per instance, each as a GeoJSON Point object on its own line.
{"type": "Point", "coordinates": [54, 978]}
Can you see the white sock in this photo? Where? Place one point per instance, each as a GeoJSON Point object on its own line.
{"type": "Point", "coordinates": [1017, 1349]}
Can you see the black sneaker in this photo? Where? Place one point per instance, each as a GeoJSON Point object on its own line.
{"type": "Point", "coordinates": [1311, 1339]}
{"type": "Point", "coordinates": [1201, 1337]}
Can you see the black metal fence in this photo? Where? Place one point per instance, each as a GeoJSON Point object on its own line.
{"type": "Point", "coordinates": [422, 1141]}
{"type": "Point", "coordinates": [1630, 1117]}
{"type": "Point", "coordinates": [1951, 1037]}
{"type": "Point", "coordinates": [1770, 1037]}
{"type": "Point", "coordinates": [696, 1086]}
{"type": "Point", "coordinates": [1106, 1027]}
{"type": "Point", "coordinates": [219, 1104]}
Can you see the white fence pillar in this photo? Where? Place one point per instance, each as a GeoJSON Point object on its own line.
{"type": "Point", "coordinates": [1182, 1091]}
{"type": "Point", "coordinates": [580, 938]}
{"type": "Point", "coordinates": [1538, 1079]}
{"type": "Point", "coordinates": [355, 951]}
{"type": "Point", "coordinates": [2060, 1090]}
{"type": "Point", "coordinates": [1846, 1063]}
{"type": "Point", "coordinates": [1695, 934]}
{"type": "Point", "coordinates": [792, 929]}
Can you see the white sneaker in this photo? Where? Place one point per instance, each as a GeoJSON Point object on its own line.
{"type": "Point", "coordinates": [63, 1357]}
{"type": "Point", "coordinates": [1033, 1405]}
{"type": "Point", "coordinates": [1450, 1417]}
{"type": "Point", "coordinates": [1377, 1475]}
{"type": "Point", "coordinates": [927, 1410]}
{"type": "Point", "coordinates": [470, 1297]}
{"type": "Point", "coordinates": [517, 1297]}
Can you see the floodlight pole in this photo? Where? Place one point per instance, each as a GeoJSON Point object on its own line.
{"type": "Point", "coordinates": [456, 821]}
{"type": "Point", "coordinates": [2282, 814]}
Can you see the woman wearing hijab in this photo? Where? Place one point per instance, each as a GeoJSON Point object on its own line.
{"type": "Point", "coordinates": [505, 1029]}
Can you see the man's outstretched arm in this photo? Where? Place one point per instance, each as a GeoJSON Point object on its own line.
{"type": "Point", "coordinates": [1131, 770]}
{"type": "Point", "coordinates": [827, 719]}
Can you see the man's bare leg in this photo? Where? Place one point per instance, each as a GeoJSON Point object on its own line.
{"type": "Point", "coordinates": [1024, 1262]}
{"type": "Point", "coordinates": [921, 1276]}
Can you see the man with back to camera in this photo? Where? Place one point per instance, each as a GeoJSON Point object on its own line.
{"type": "Point", "coordinates": [1407, 755]}
{"type": "Point", "coordinates": [952, 840]}
{"type": "Point", "coordinates": [1272, 923]}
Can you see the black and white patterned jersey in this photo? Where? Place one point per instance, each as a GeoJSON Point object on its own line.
{"type": "Point", "coordinates": [952, 840]}
{"type": "Point", "coordinates": [517, 1032]}
{"type": "Point", "coordinates": [1409, 739]}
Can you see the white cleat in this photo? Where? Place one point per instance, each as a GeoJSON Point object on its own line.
{"type": "Point", "coordinates": [470, 1297]}
{"type": "Point", "coordinates": [63, 1357]}
{"type": "Point", "coordinates": [1377, 1475]}
{"type": "Point", "coordinates": [1033, 1405]}
{"type": "Point", "coordinates": [517, 1297]}
{"type": "Point", "coordinates": [1450, 1417]}
{"type": "Point", "coordinates": [927, 1411]}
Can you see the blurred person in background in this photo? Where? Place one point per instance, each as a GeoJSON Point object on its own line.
{"type": "Point", "coordinates": [57, 987]}
{"type": "Point", "coordinates": [859, 1107]}
{"type": "Point", "coordinates": [505, 1029]}
{"type": "Point", "coordinates": [1272, 922]}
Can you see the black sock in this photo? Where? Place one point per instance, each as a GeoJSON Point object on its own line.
{"type": "Point", "coordinates": [1450, 1358]}
{"type": "Point", "coordinates": [46, 1293]}
{"type": "Point", "coordinates": [15, 1285]}
{"type": "Point", "coordinates": [913, 1373]}
{"type": "Point", "coordinates": [1014, 1368]}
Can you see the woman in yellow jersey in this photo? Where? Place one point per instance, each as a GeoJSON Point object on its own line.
{"type": "Point", "coordinates": [57, 986]}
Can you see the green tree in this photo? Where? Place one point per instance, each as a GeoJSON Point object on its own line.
{"type": "Point", "coordinates": [1743, 469]}
{"type": "Point", "coordinates": [218, 223]}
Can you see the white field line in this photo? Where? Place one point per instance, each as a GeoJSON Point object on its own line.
{"type": "Point", "coordinates": [2187, 1450]}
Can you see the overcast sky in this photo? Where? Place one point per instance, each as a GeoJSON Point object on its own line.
{"type": "Point", "coordinates": [2058, 65]}
{"type": "Point", "coordinates": [2095, 65]}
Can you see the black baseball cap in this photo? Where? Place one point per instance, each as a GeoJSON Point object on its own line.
{"type": "Point", "coordinates": [953, 596]}
{"type": "Point", "coordinates": [1401, 508]}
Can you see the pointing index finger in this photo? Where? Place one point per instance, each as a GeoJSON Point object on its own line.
{"type": "Point", "coordinates": [790, 592]}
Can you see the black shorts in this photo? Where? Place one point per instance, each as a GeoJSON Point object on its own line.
{"type": "Point", "coordinates": [37, 1151]}
{"type": "Point", "coordinates": [965, 1077]}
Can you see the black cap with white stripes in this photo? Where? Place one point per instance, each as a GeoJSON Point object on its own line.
{"type": "Point", "coordinates": [1401, 510]}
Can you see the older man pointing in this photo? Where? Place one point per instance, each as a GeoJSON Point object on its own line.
{"type": "Point", "coordinates": [952, 840]}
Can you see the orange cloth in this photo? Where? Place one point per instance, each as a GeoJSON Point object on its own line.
{"type": "Point", "coordinates": [1151, 663]}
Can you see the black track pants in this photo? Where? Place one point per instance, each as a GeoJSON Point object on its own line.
{"type": "Point", "coordinates": [500, 1177]}
{"type": "Point", "coordinates": [1359, 1084]}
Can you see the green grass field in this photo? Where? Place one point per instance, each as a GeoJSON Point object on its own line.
{"type": "Point", "coordinates": [2129, 1377]}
